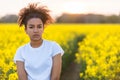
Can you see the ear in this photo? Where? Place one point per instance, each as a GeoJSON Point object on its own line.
{"type": "Point", "coordinates": [43, 28]}
{"type": "Point", "coordinates": [25, 30]}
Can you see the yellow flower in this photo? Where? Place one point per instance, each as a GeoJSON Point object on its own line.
{"type": "Point", "coordinates": [81, 74]}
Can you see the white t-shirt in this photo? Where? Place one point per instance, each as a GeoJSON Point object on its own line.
{"type": "Point", "coordinates": [38, 61]}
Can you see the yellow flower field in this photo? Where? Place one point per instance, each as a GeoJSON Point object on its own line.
{"type": "Point", "coordinates": [99, 55]}
{"type": "Point", "coordinates": [99, 49]}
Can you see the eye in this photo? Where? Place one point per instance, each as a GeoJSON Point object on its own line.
{"type": "Point", "coordinates": [31, 26]}
{"type": "Point", "coordinates": [39, 26]}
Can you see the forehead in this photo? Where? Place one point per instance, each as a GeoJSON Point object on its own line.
{"type": "Point", "coordinates": [35, 21]}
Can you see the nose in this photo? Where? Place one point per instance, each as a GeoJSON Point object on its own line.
{"type": "Point", "coordinates": [35, 30]}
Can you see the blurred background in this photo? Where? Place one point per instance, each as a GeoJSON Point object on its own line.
{"type": "Point", "coordinates": [87, 30]}
{"type": "Point", "coordinates": [65, 11]}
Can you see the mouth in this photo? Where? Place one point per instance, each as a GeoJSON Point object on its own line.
{"type": "Point", "coordinates": [36, 35]}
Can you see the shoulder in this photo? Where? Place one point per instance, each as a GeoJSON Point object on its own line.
{"type": "Point", "coordinates": [21, 48]}
{"type": "Point", "coordinates": [55, 47]}
{"type": "Point", "coordinates": [50, 42]}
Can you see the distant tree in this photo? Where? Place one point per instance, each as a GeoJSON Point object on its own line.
{"type": "Point", "coordinates": [68, 18]}
{"type": "Point", "coordinates": [11, 18]}
{"type": "Point", "coordinates": [113, 19]}
{"type": "Point", "coordinates": [88, 18]}
{"type": "Point", "coordinates": [93, 18]}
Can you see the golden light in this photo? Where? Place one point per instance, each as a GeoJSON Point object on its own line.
{"type": "Point", "coordinates": [74, 8]}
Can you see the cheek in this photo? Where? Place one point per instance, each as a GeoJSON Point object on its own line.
{"type": "Point", "coordinates": [41, 30]}
{"type": "Point", "coordinates": [28, 32]}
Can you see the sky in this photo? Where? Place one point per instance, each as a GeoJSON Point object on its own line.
{"type": "Point", "coordinates": [57, 7]}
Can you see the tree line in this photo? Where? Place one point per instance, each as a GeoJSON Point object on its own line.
{"type": "Point", "coordinates": [11, 18]}
{"type": "Point", "coordinates": [72, 18]}
{"type": "Point", "coordinates": [88, 18]}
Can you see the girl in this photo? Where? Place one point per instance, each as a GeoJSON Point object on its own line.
{"type": "Point", "coordinates": [39, 59]}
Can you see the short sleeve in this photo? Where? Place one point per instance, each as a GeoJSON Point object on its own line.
{"type": "Point", "coordinates": [57, 49]}
{"type": "Point", "coordinates": [18, 56]}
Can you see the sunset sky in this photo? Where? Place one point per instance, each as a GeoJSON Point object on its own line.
{"type": "Point", "coordinates": [57, 7]}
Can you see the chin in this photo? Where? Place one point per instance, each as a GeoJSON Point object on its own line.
{"type": "Point", "coordinates": [36, 39]}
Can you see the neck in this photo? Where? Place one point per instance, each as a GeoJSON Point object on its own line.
{"type": "Point", "coordinates": [36, 44]}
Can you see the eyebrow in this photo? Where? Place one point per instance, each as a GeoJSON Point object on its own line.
{"type": "Point", "coordinates": [33, 24]}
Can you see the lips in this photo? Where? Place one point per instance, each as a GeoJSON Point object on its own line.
{"type": "Point", "coordinates": [36, 35]}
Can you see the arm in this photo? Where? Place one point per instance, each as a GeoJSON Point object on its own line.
{"type": "Point", "coordinates": [56, 68]}
{"type": "Point", "coordinates": [22, 75]}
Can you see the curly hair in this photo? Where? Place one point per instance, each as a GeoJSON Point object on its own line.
{"type": "Point", "coordinates": [34, 11]}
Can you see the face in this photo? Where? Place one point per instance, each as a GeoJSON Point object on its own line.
{"type": "Point", "coordinates": [34, 29]}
